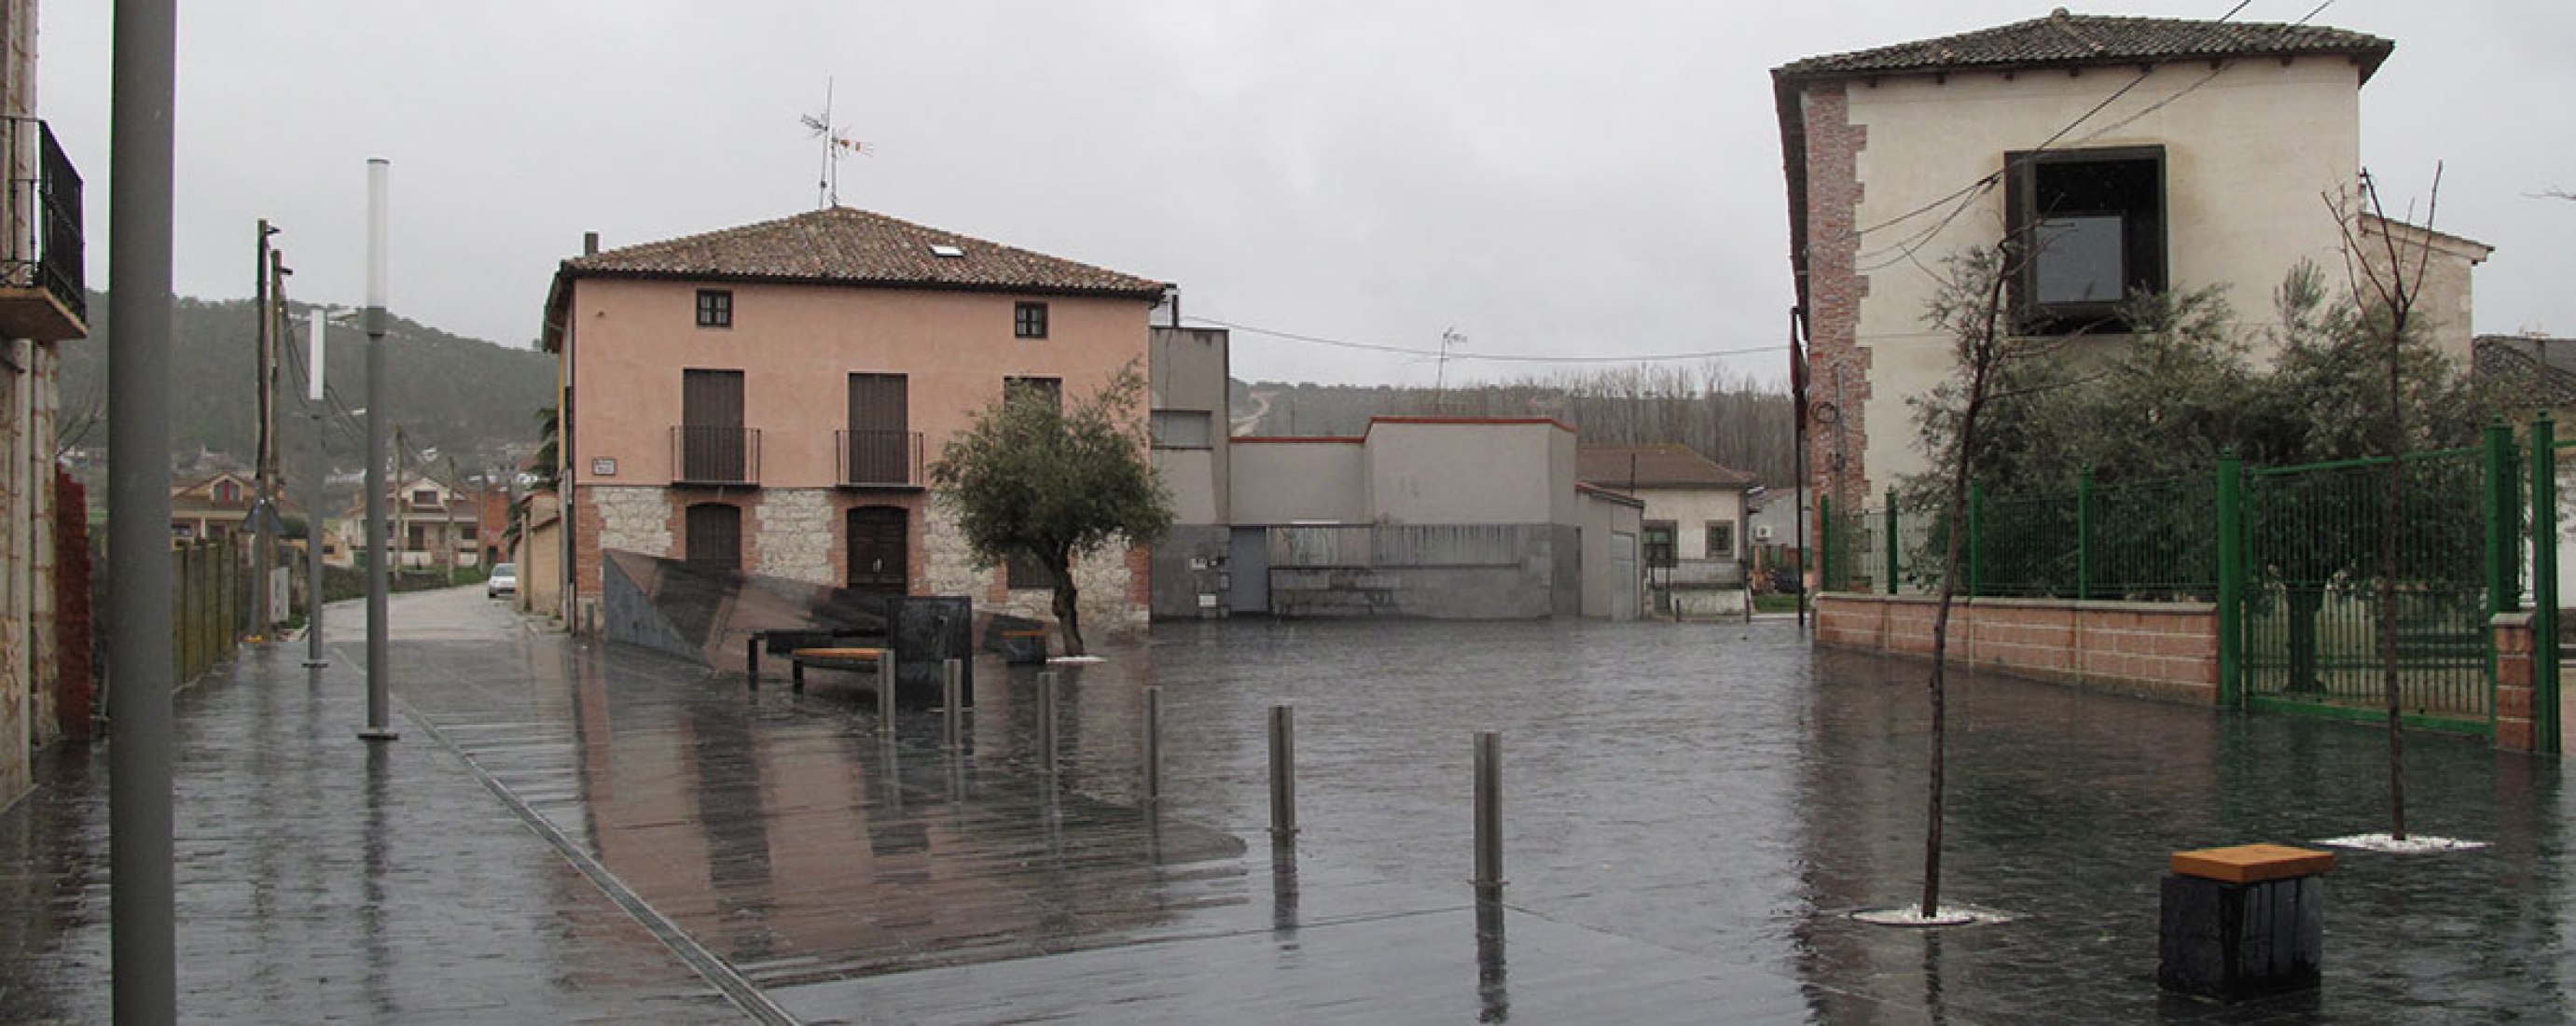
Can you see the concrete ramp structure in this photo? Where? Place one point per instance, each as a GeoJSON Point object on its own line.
{"type": "Point", "coordinates": [708, 616]}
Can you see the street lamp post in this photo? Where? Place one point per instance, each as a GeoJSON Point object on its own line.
{"type": "Point", "coordinates": [378, 690]}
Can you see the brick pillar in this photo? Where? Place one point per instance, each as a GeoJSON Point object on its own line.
{"type": "Point", "coordinates": [76, 687]}
{"type": "Point", "coordinates": [2514, 727]}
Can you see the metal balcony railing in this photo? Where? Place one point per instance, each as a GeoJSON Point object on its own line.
{"type": "Point", "coordinates": [44, 244]}
{"type": "Point", "coordinates": [879, 459]}
{"type": "Point", "coordinates": [715, 455]}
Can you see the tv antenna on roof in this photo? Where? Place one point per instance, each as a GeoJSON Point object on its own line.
{"type": "Point", "coordinates": [836, 145]}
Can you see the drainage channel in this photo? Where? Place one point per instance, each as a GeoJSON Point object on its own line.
{"type": "Point", "coordinates": [708, 965]}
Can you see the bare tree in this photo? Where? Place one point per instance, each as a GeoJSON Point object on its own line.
{"type": "Point", "coordinates": [2396, 288]}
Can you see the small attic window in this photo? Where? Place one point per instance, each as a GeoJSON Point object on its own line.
{"type": "Point", "coordinates": [951, 252]}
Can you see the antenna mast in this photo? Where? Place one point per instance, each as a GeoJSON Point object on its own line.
{"type": "Point", "coordinates": [836, 145]}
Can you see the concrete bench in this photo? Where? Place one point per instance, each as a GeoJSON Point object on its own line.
{"type": "Point", "coordinates": [2243, 921]}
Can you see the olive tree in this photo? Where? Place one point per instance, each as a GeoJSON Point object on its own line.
{"type": "Point", "coordinates": [1036, 481]}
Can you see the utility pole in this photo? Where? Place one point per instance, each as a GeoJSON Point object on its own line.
{"type": "Point", "coordinates": [264, 312]}
{"type": "Point", "coordinates": [270, 488]}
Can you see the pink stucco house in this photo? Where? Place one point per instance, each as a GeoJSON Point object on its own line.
{"type": "Point", "coordinates": [764, 398]}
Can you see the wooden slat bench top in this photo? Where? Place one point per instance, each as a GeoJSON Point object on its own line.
{"type": "Point", "coordinates": [2252, 863]}
{"type": "Point", "coordinates": [1024, 634]}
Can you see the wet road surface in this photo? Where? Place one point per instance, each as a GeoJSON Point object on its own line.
{"type": "Point", "coordinates": [579, 833]}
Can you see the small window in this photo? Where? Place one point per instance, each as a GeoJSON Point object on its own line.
{"type": "Point", "coordinates": [465, 532]}
{"type": "Point", "coordinates": [1658, 543]}
{"type": "Point", "coordinates": [1721, 539]}
{"type": "Point", "coordinates": [715, 308]}
{"type": "Point", "coordinates": [1046, 390]}
{"type": "Point", "coordinates": [227, 492]}
{"type": "Point", "coordinates": [424, 497]}
{"type": "Point", "coordinates": [1024, 572]}
{"type": "Point", "coordinates": [419, 537]}
{"type": "Point", "coordinates": [1028, 320]}
{"type": "Point", "coordinates": [1181, 429]}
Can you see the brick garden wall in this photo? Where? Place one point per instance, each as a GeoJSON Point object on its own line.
{"type": "Point", "coordinates": [2166, 649]}
{"type": "Point", "coordinates": [2516, 728]}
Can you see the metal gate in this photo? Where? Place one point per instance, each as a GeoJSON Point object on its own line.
{"type": "Point", "coordinates": [2313, 617]}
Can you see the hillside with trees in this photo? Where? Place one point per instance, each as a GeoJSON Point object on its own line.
{"type": "Point", "coordinates": [1726, 416]}
{"type": "Point", "coordinates": [461, 398]}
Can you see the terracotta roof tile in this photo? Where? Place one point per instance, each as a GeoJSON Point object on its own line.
{"type": "Point", "coordinates": [2062, 38]}
{"type": "Point", "coordinates": [842, 245]}
{"type": "Point", "coordinates": [1653, 466]}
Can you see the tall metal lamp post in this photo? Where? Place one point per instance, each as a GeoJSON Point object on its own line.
{"type": "Point", "coordinates": [378, 691]}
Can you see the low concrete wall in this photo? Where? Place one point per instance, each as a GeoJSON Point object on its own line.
{"type": "Point", "coordinates": [2167, 649]}
{"type": "Point", "coordinates": [1191, 574]}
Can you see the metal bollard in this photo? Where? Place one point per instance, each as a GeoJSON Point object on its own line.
{"type": "Point", "coordinates": [1283, 774]}
{"type": "Point", "coordinates": [888, 679]}
{"type": "Point", "coordinates": [1489, 809]}
{"type": "Point", "coordinates": [1046, 722]}
{"type": "Point", "coordinates": [1154, 744]}
{"type": "Point", "coordinates": [952, 695]}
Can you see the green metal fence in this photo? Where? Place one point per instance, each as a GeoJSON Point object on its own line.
{"type": "Point", "coordinates": [2292, 557]}
{"type": "Point", "coordinates": [2311, 614]}
{"type": "Point", "coordinates": [2145, 541]}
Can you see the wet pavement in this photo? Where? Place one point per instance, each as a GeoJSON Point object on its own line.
{"type": "Point", "coordinates": [577, 833]}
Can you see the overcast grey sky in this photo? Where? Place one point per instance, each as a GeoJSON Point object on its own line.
{"type": "Point", "coordinates": [1551, 178]}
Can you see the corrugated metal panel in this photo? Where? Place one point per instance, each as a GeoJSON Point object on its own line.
{"type": "Point", "coordinates": [1462, 545]}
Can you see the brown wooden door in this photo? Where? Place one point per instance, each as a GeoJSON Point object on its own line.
{"type": "Point", "coordinates": [714, 536]}
{"type": "Point", "coordinates": [880, 446]}
{"type": "Point", "coordinates": [880, 549]}
{"type": "Point", "coordinates": [711, 438]}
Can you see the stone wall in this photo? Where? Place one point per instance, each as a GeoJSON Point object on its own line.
{"type": "Point", "coordinates": [795, 529]}
{"type": "Point", "coordinates": [2166, 649]}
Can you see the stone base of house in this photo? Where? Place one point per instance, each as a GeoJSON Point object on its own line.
{"type": "Point", "coordinates": [2162, 649]}
{"type": "Point", "coordinates": [799, 534]}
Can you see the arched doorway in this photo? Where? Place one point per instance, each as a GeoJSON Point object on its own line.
{"type": "Point", "coordinates": [714, 536]}
{"type": "Point", "coordinates": [880, 549]}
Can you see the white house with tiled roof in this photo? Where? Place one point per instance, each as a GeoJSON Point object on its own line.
{"type": "Point", "coordinates": [1693, 532]}
{"type": "Point", "coordinates": [763, 398]}
{"type": "Point", "coordinates": [2134, 153]}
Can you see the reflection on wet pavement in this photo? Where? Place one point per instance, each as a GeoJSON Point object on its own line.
{"type": "Point", "coordinates": [1687, 812]}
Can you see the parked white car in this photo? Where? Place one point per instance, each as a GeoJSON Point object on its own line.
{"type": "Point", "coordinates": [504, 581]}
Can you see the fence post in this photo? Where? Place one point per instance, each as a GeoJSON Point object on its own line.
{"type": "Point", "coordinates": [2231, 580]}
{"type": "Point", "coordinates": [1825, 560]}
{"type": "Point", "coordinates": [952, 699]}
{"type": "Point", "coordinates": [2544, 584]}
{"type": "Point", "coordinates": [2503, 575]}
{"type": "Point", "coordinates": [2084, 534]}
{"type": "Point", "coordinates": [1046, 721]}
{"type": "Point", "coordinates": [1891, 541]}
{"type": "Point", "coordinates": [1976, 537]}
{"type": "Point", "coordinates": [1489, 812]}
{"type": "Point", "coordinates": [1153, 745]}
{"type": "Point", "coordinates": [1283, 775]}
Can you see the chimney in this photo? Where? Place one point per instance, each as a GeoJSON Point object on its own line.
{"type": "Point", "coordinates": [590, 243]}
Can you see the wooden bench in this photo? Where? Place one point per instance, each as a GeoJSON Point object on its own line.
{"type": "Point", "coordinates": [785, 642]}
{"type": "Point", "coordinates": [853, 659]}
{"type": "Point", "coordinates": [1024, 647]}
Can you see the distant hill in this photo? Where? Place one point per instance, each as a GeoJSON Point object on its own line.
{"type": "Point", "coordinates": [1726, 417]}
{"type": "Point", "coordinates": [462, 397]}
